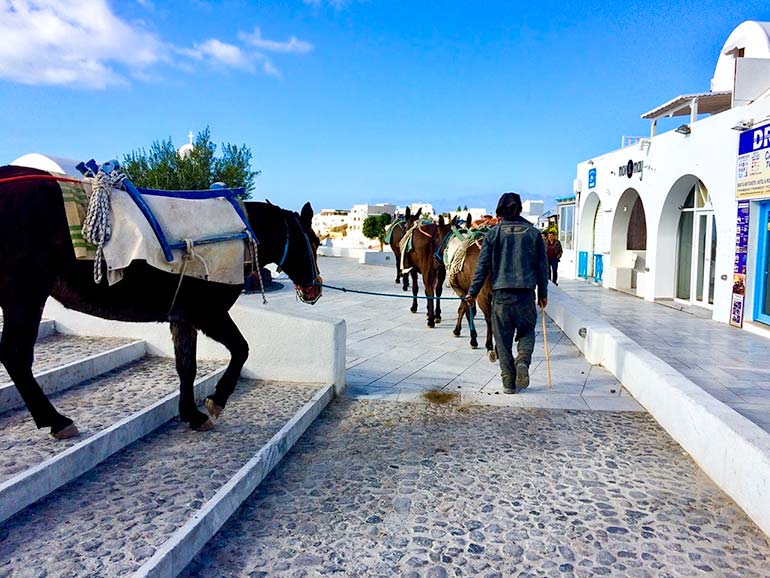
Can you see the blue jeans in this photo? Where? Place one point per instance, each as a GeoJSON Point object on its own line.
{"type": "Point", "coordinates": [553, 270]}
{"type": "Point", "coordinates": [513, 314]}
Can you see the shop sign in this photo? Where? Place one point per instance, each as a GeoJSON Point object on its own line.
{"type": "Point", "coordinates": [630, 169]}
{"type": "Point", "coordinates": [753, 174]}
{"type": "Point", "coordinates": [592, 178]}
{"type": "Point", "coordinates": [739, 268]}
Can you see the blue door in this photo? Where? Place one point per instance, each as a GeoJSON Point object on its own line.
{"type": "Point", "coordinates": [762, 284]}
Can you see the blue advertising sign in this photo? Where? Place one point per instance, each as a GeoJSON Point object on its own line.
{"type": "Point", "coordinates": [592, 178]}
{"type": "Point", "coordinates": [739, 268]}
{"type": "Point", "coordinates": [754, 139]}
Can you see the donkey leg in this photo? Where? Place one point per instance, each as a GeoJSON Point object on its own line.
{"type": "Point", "coordinates": [471, 312]}
{"type": "Point", "coordinates": [490, 345]}
{"type": "Point", "coordinates": [404, 276]}
{"type": "Point", "coordinates": [20, 325]}
{"type": "Point", "coordinates": [415, 290]}
{"type": "Point", "coordinates": [459, 324]}
{"type": "Point", "coordinates": [441, 277]}
{"type": "Point", "coordinates": [224, 330]}
{"type": "Point", "coordinates": [185, 337]}
{"type": "Point", "coordinates": [430, 293]}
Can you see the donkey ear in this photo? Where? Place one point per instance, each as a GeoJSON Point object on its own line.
{"type": "Point", "coordinates": [441, 220]}
{"type": "Point", "coordinates": [306, 216]}
{"type": "Point", "coordinates": [468, 220]}
{"type": "Point", "coordinates": [269, 203]}
{"type": "Point", "coordinates": [419, 212]}
{"type": "Point", "coordinates": [453, 222]}
{"type": "Point", "coordinates": [408, 212]}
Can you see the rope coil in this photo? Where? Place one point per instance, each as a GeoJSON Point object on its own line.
{"type": "Point", "coordinates": [97, 227]}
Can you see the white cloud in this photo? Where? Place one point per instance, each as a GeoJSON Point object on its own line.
{"type": "Point", "coordinates": [336, 4]}
{"type": "Point", "coordinates": [86, 45]}
{"type": "Point", "coordinates": [222, 53]}
{"type": "Point", "coordinates": [292, 45]}
{"type": "Point", "coordinates": [73, 43]}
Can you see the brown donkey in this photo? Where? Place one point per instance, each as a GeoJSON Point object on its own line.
{"type": "Point", "coordinates": [460, 278]}
{"type": "Point", "coordinates": [400, 227]}
{"type": "Point", "coordinates": [426, 242]}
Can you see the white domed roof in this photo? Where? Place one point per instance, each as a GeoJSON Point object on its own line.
{"type": "Point", "coordinates": [750, 37]}
{"type": "Point", "coordinates": [48, 163]}
{"type": "Point", "coordinates": [185, 150]}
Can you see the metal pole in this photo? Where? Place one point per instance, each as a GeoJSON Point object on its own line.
{"type": "Point", "coordinates": [547, 355]}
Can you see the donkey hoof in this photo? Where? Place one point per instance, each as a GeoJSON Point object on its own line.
{"type": "Point", "coordinates": [492, 355]}
{"type": "Point", "coordinates": [474, 345]}
{"type": "Point", "coordinates": [413, 310]}
{"type": "Point", "coordinates": [431, 324]}
{"type": "Point", "coordinates": [213, 409]}
{"type": "Point", "coordinates": [205, 426]}
{"type": "Point", "coordinates": [438, 318]}
{"type": "Point", "coordinates": [68, 432]}
{"type": "Point", "coordinates": [456, 333]}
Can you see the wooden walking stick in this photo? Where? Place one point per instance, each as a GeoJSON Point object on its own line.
{"type": "Point", "coordinates": [547, 355]}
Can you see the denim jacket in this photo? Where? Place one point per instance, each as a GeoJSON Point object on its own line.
{"type": "Point", "coordinates": [513, 254]}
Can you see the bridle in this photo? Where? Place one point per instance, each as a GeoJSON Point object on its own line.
{"type": "Point", "coordinates": [317, 280]}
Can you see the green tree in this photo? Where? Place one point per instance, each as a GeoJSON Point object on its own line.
{"type": "Point", "coordinates": [374, 227]}
{"type": "Point", "coordinates": [163, 168]}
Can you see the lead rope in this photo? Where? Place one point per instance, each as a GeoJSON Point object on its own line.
{"type": "Point", "coordinates": [255, 264]}
{"type": "Point", "coordinates": [188, 256]}
{"type": "Point", "coordinates": [97, 228]}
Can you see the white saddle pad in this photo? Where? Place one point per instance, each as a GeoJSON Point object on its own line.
{"type": "Point", "coordinates": [133, 238]}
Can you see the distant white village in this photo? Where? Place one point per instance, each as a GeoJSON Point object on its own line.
{"type": "Point", "coordinates": [342, 227]}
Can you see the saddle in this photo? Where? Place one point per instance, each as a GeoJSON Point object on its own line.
{"type": "Point", "coordinates": [390, 228]}
{"type": "Point", "coordinates": [202, 234]}
{"type": "Point", "coordinates": [406, 245]}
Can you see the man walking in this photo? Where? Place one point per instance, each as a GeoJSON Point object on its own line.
{"type": "Point", "coordinates": [513, 255]}
{"type": "Point", "coordinates": [553, 252]}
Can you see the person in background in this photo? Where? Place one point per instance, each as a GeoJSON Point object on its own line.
{"type": "Point", "coordinates": [513, 256]}
{"type": "Point", "coordinates": [554, 252]}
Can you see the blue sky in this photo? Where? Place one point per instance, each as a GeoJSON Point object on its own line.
{"type": "Point", "coordinates": [344, 101]}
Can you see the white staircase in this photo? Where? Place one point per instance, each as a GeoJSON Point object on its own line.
{"type": "Point", "coordinates": [137, 492]}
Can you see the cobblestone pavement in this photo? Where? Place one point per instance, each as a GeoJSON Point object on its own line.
{"type": "Point", "coordinates": [94, 405]}
{"type": "Point", "coordinates": [394, 489]}
{"type": "Point", "coordinates": [58, 350]}
{"type": "Point", "coordinates": [110, 520]}
{"type": "Point", "coordinates": [730, 364]}
{"type": "Point", "coordinates": [393, 355]}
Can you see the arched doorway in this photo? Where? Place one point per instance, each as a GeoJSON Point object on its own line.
{"type": "Point", "coordinates": [628, 248]}
{"type": "Point", "coordinates": [688, 232]}
{"type": "Point", "coordinates": [587, 228]}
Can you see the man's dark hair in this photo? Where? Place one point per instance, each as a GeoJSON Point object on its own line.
{"type": "Point", "coordinates": [509, 206]}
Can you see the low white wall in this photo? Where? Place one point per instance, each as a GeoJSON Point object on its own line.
{"type": "Point", "coordinates": [386, 257]}
{"type": "Point", "coordinates": [282, 347]}
{"type": "Point", "coordinates": [731, 449]}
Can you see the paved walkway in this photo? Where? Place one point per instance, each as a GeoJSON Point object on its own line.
{"type": "Point", "coordinates": [383, 489]}
{"type": "Point", "coordinates": [731, 364]}
{"type": "Point", "coordinates": [393, 355]}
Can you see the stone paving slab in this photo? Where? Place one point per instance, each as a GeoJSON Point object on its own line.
{"type": "Point", "coordinates": [393, 489]}
{"type": "Point", "coordinates": [391, 353]}
{"type": "Point", "coordinates": [94, 405]}
{"type": "Point", "coordinates": [111, 519]}
{"type": "Point", "coordinates": [58, 350]}
{"type": "Point", "coordinates": [729, 363]}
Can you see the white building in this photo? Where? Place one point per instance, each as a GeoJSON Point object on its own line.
{"type": "Point", "coordinates": [355, 221]}
{"type": "Point", "coordinates": [427, 209]}
{"type": "Point", "coordinates": [329, 221]}
{"type": "Point", "coordinates": [658, 217]}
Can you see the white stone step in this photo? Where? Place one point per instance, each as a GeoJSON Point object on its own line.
{"type": "Point", "coordinates": [46, 329]}
{"type": "Point", "coordinates": [111, 411]}
{"type": "Point", "coordinates": [62, 361]}
{"type": "Point", "coordinates": [152, 502]}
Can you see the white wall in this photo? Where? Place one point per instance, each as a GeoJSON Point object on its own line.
{"type": "Point", "coordinates": [282, 347]}
{"type": "Point", "coordinates": [708, 153]}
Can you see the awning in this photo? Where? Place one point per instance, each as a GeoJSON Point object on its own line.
{"type": "Point", "coordinates": [708, 103]}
